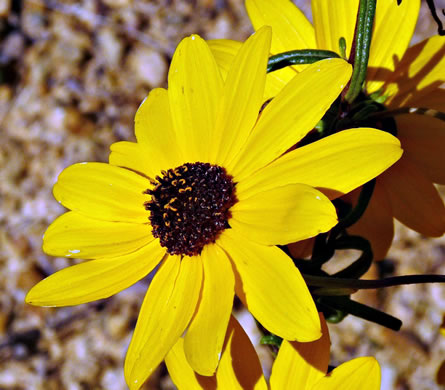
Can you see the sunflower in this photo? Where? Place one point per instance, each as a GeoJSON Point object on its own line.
{"type": "Point", "coordinates": [401, 77]}
{"type": "Point", "coordinates": [301, 366]}
{"type": "Point", "coordinates": [204, 195]}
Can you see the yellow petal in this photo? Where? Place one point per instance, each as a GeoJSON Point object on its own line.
{"type": "Point", "coordinates": [376, 224]}
{"type": "Point", "coordinates": [362, 373]}
{"type": "Point", "coordinates": [134, 156]}
{"type": "Point", "coordinates": [291, 115]}
{"type": "Point", "coordinates": [182, 374]}
{"type": "Point", "coordinates": [272, 288]}
{"type": "Point", "coordinates": [414, 200]}
{"type": "Point", "coordinates": [74, 235]}
{"type": "Point", "coordinates": [242, 97]}
{"type": "Point", "coordinates": [277, 80]}
{"type": "Point", "coordinates": [165, 313]}
{"type": "Point", "coordinates": [333, 20]}
{"type": "Point", "coordinates": [155, 133]}
{"type": "Point", "coordinates": [420, 72]}
{"type": "Point", "coordinates": [300, 365]}
{"type": "Point", "coordinates": [393, 28]}
{"type": "Point", "coordinates": [194, 91]}
{"type": "Point", "coordinates": [95, 279]}
{"type": "Point", "coordinates": [291, 29]}
{"type": "Point", "coordinates": [283, 215]}
{"type": "Point", "coordinates": [423, 140]}
{"type": "Point", "coordinates": [338, 163]}
{"type": "Point", "coordinates": [225, 50]}
{"type": "Point", "coordinates": [205, 335]}
{"type": "Point", "coordinates": [103, 191]}
{"type": "Point", "coordinates": [240, 368]}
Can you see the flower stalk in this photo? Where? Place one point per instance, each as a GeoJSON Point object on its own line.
{"type": "Point", "coordinates": [345, 304]}
{"type": "Point", "coordinates": [360, 48]}
{"type": "Point", "coordinates": [367, 284]}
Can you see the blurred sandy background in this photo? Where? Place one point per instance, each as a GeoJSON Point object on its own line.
{"type": "Point", "coordinates": [72, 74]}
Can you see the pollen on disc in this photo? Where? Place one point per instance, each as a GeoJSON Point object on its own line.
{"type": "Point", "coordinates": [190, 206]}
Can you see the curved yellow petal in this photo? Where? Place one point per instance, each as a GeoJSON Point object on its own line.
{"type": "Point", "coordinates": [423, 140]}
{"type": "Point", "coordinates": [103, 191]}
{"type": "Point", "coordinates": [393, 28]}
{"type": "Point", "coordinates": [133, 156]}
{"type": "Point", "coordinates": [155, 132]}
{"type": "Point", "coordinates": [376, 224]}
{"type": "Point", "coordinates": [165, 313]}
{"type": "Point", "coordinates": [291, 29]}
{"type": "Point", "coordinates": [333, 20]}
{"type": "Point", "coordinates": [194, 89]}
{"type": "Point", "coordinates": [361, 373]}
{"type": "Point", "coordinates": [421, 70]}
{"type": "Point", "coordinates": [277, 80]}
{"type": "Point", "coordinates": [205, 335]}
{"type": "Point", "coordinates": [225, 50]}
{"type": "Point", "coordinates": [74, 235]}
{"type": "Point", "coordinates": [283, 215]}
{"type": "Point", "coordinates": [272, 288]}
{"type": "Point", "coordinates": [414, 200]}
{"type": "Point", "coordinates": [182, 374]}
{"type": "Point", "coordinates": [301, 365]}
{"type": "Point", "coordinates": [95, 279]}
{"type": "Point", "coordinates": [157, 148]}
{"type": "Point", "coordinates": [242, 97]}
{"type": "Point", "coordinates": [240, 368]}
{"type": "Point", "coordinates": [337, 164]}
{"type": "Point", "coordinates": [291, 115]}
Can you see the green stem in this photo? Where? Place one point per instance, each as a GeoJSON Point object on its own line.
{"type": "Point", "coordinates": [356, 213]}
{"type": "Point", "coordinates": [326, 291]}
{"type": "Point", "coordinates": [363, 284]}
{"type": "Point", "coordinates": [363, 311]}
{"type": "Point", "coordinates": [360, 266]}
{"type": "Point", "coordinates": [360, 48]}
{"type": "Point", "coordinates": [298, 57]}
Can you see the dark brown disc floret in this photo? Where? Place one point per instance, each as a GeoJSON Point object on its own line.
{"type": "Point", "coordinates": [190, 206]}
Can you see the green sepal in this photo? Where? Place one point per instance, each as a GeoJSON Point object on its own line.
{"type": "Point", "coordinates": [271, 339]}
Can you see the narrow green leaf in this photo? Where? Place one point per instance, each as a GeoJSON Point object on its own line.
{"type": "Point", "coordinates": [298, 57]}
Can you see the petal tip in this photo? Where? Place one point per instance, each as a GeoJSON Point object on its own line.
{"type": "Point", "coordinates": [194, 38]}
{"type": "Point", "coordinates": [32, 298]}
{"type": "Point", "coordinates": [28, 298]}
{"type": "Point", "coordinates": [264, 30]}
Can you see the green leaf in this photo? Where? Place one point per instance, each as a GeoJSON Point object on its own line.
{"type": "Point", "coordinates": [298, 57]}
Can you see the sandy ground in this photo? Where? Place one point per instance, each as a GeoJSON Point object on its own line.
{"type": "Point", "coordinates": [72, 74]}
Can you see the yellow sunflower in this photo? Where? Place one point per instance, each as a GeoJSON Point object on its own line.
{"type": "Point", "coordinates": [205, 195]}
{"type": "Point", "coordinates": [406, 77]}
{"type": "Point", "coordinates": [301, 366]}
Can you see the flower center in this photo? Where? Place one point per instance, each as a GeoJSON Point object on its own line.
{"type": "Point", "coordinates": [190, 206]}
